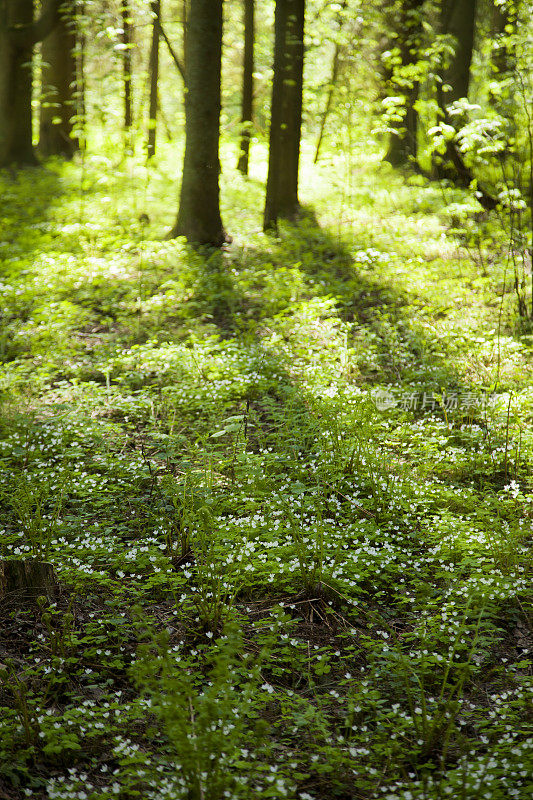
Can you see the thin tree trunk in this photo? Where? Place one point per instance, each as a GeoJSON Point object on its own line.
{"type": "Point", "coordinates": [331, 88]}
{"type": "Point", "coordinates": [247, 86]}
{"type": "Point", "coordinates": [154, 77]}
{"type": "Point", "coordinates": [199, 218]}
{"type": "Point", "coordinates": [286, 113]}
{"type": "Point", "coordinates": [172, 52]}
{"type": "Point", "coordinates": [58, 102]}
{"type": "Point", "coordinates": [127, 69]}
{"type": "Point", "coordinates": [164, 120]}
{"type": "Point", "coordinates": [329, 100]}
{"type": "Point", "coordinates": [80, 73]}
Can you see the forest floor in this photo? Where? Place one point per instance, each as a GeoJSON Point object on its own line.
{"type": "Point", "coordinates": [286, 490]}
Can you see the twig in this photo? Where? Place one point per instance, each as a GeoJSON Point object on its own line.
{"type": "Point", "coordinates": [172, 52]}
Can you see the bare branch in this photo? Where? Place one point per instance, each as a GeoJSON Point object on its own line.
{"type": "Point", "coordinates": [172, 52]}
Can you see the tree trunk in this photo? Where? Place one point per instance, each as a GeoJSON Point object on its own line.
{"type": "Point", "coordinates": [184, 18]}
{"type": "Point", "coordinates": [247, 86]}
{"type": "Point", "coordinates": [403, 146]}
{"type": "Point", "coordinates": [80, 75]}
{"type": "Point", "coordinates": [502, 16]}
{"type": "Point", "coordinates": [403, 143]}
{"type": "Point", "coordinates": [329, 100]}
{"type": "Point", "coordinates": [503, 57]}
{"type": "Point", "coordinates": [458, 20]}
{"type": "Point", "coordinates": [18, 34]}
{"type": "Point", "coordinates": [286, 113]}
{"type": "Point", "coordinates": [127, 69]}
{"type": "Point", "coordinates": [15, 86]}
{"type": "Point", "coordinates": [199, 211]}
{"type": "Point", "coordinates": [59, 78]}
{"type": "Point", "coordinates": [26, 579]}
{"type": "Point", "coordinates": [332, 85]}
{"type": "Point", "coordinates": [154, 76]}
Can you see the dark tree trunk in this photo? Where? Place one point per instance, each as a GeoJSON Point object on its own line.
{"type": "Point", "coordinates": [80, 74]}
{"type": "Point", "coordinates": [59, 78]}
{"type": "Point", "coordinates": [247, 86]}
{"type": "Point", "coordinates": [458, 19]}
{"type": "Point", "coordinates": [18, 35]}
{"type": "Point", "coordinates": [503, 56]}
{"type": "Point", "coordinates": [15, 86]}
{"type": "Point", "coordinates": [127, 68]}
{"type": "Point", "coordinates": [403, 149]}
{"type": "Point", "coordinates": [199, 211]}
{"type": "Point", "coordinates": [501, 18]}
{"type": "Point", "coordinates": [154, 76]}
{"type": "Point", "coordinates": [403, 144]}
{"type": "Point", "coordinates": [286, 114]}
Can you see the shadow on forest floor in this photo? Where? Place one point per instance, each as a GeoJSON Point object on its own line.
{"type": "Point", "coordinates": [29, 197]}
{"type": "Point", "coordinates": [242, 289]}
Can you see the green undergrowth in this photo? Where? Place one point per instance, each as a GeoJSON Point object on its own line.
{"type": "Point", "coordinates": [285, 489]}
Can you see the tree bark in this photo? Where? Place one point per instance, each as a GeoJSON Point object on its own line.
{"type": "Point", "coordinates": [403, 144]}
{"type": "Point", "coordinates": [18, 34]}
{"type": "Point", "coordinates": [504, 25]}
{"type": "Point", "coordinates": [80, 75]}
{"type": "Point", "coordinates": [59, 79]}
{"type": "Point", "coordinates": [27, 34]}
{"type": "Point", "coordinates": [457, 20]}
{"type": "Point", "coordinates": [16, 87]}
{"type": "Point", "coordinates": [154, 77]}
{"type": "Point", "coordinates": [26, 579]}
{"type": "Point", "coordinates": [199, 219]}
{"type": "Point", "coordinates": [247, 86]}
{"type": "Point", "coordinates": [125, 12]}
{"type": "Point", "coordinates": [286, 114]}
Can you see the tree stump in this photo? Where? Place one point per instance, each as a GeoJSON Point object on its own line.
{"type": "Point", "coordinates": [26, 579]}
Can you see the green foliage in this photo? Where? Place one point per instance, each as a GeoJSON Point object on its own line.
{"type": "Point", "coordinates": [206, 722]}
{"type": "Point", "coordinates": [305, 462]}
